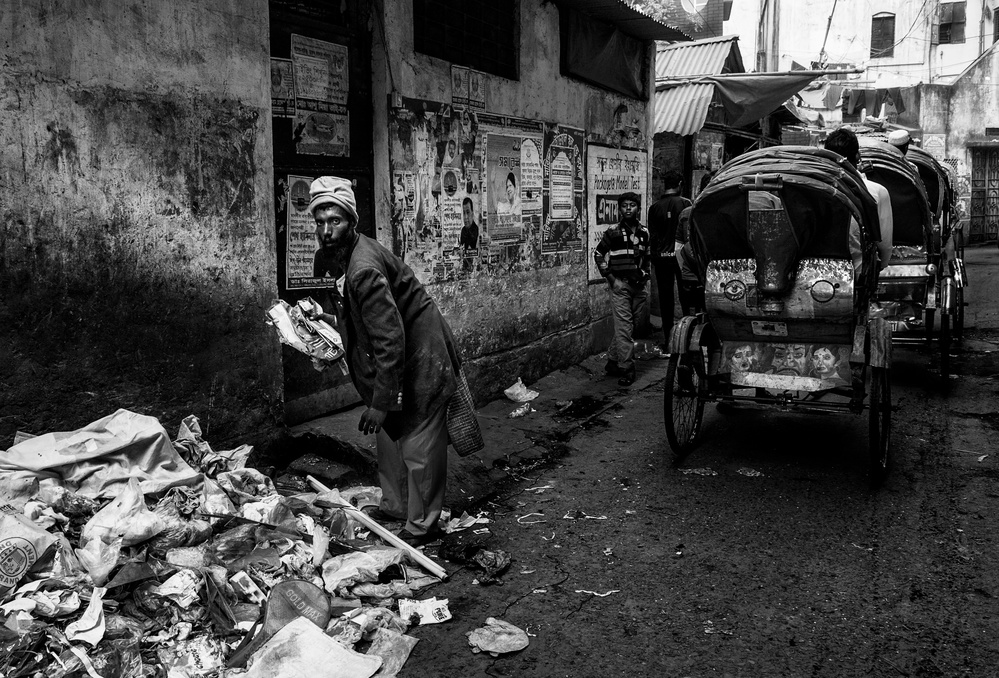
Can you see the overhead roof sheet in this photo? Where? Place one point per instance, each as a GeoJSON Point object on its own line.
{"type": "Point", "coordinates": [627, 19]}
{"type": "Point", "coordinates": [684, 108]}
{"type": "Point", "coordinates": [709, 56]}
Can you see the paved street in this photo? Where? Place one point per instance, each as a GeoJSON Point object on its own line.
{"type": "Point", "coordinates": [765, 554]}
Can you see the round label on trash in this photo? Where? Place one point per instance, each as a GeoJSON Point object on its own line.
{"type": "Point", "coordinates": [17, 554]}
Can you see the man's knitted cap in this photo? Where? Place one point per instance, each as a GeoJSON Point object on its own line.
{"type": "Point", "coordinates": [333, 191]}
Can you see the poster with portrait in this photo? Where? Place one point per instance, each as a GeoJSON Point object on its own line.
{"type": "Point", "coordinates": [322, 123]}
{"type": "Point", "coordinates": [503, 174]}
{"type": "Point", "coordinates": [282, 88]}
{"type": "Point", "coordinates": [476, 91]}
{"type": "Point", "coordinates": [609, 173]}
{"type": "Point", "coordinates": [459, 87]}
{"type": "Point", "coordinates": [562, 222]}
{"type": "Point", "coordinates": [305, 265]}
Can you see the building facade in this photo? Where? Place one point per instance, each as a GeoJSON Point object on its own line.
{"type": "Point", "coordinates": [155, 158]}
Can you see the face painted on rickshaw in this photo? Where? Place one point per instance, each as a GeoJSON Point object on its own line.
{"type": "Point", "coordinates": [742, 359]}
{"type": "Point", "coordinates": [824, 363]}
{"type": "Point", "coordinates": [791, 360]}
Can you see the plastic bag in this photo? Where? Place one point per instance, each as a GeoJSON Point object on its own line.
{"type": "Point", "coordinates": [22, 545]}
{"type": "Point", "coordinates": [497, 637]}
{"type": "Point", "coordinates": [341, 572]}
{"type": "Point", "coordinates": [126, 517]}
{"type": "Point", "coordinates": [519, 393]}
{"type": "Point", "coordinates": [180, 528]}
{"type": "Point", "coordinates": [98, 559]}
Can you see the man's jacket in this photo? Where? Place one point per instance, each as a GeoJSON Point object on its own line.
{"type": "Point", "coordinates": [401, 351]}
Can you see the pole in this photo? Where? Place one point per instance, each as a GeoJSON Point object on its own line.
{"type": "Point", "coordinates": [421, 560]}
{"type": "Point", "coordinates": [822, 52]}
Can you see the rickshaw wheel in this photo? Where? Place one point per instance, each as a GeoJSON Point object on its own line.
{"type": "Point", "coordinates": [879, 416]}
{"type": "Point", "coordinates": [683, 408]}
{"type": "Point", "coordinates": [945, 345]}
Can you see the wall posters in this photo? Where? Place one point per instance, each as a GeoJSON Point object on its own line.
{"type": "Point", "coordinates": [469, 192]}
{"type": "Point", "coordinates": [476, 91]}
{"type": "Point", "coordinates": [282, 88]}
{"type": "Point", "coordinates": [437, 216]}
{"type": "Point", "coordinates": [306, 267]}
{"type": "Point", "coordinates": [459, 86]}
{"type": "Point", "coordinates": [609, 173]}
{"type": "Point", "coordinates": [321, 86]}
{"type": "Point", "coordinates": [562, 224]}
{"type": "Point", "coordinates": [505, 204]}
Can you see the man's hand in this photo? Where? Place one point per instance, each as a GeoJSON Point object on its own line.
{"type": "Point", "coordinates": [371, 421]}
{"type": "Point", "coordinates": [610, 280]}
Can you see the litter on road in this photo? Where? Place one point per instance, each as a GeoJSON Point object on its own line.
{"type": "Point", "coordinates": [125, 554]}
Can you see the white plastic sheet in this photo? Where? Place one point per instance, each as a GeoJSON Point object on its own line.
{"type": "Point", "coordinates": [100, 458]}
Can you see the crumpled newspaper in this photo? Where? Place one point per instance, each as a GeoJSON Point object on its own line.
{"type": "Point", "coordinates": [315, 338]}
{"type": "Point", "coordinates": [497, 637]}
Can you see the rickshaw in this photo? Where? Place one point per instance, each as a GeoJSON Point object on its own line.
{"type": "Point", "coordinates": [917, 281]}
{"type": "Point", "coordinates": [783, 239]}
{"type": "Point", "coordinates": [952, 274]}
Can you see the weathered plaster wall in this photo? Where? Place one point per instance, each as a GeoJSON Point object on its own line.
{"type": "Point", "coordinates": [136, 250]}
{"type": "Point", "coordinates": [974, 105]}
{"type": "Point", "coordinates": [512, 322]}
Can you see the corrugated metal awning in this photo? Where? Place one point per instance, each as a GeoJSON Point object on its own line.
{"type": "Point", "coordinates": [684, 108]}
{"type": "Point", "coordinates": [626, 18]}
{"type": "Point", "coordinates": [709, 56]}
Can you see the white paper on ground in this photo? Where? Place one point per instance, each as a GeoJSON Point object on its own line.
{"type": "Point", "coordinates": [302, 650]}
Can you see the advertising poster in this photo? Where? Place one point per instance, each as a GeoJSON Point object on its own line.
{"type": "Point", "coordinates": [282, 89]}
{"type": "Point", "coordinates": [306, 265]}
{"type": "Point", "coordinates": [562, 208]}
{"type": "Point", "coordinates": [321, 87]}
{"type": "Point", "coordinates": [476, 91]}
{"type": "Point", "coordinates": [504, 216]}
{"type": "Point", "coordinates": [609, 173]}
{"type": "Point", "coordinates": [459, 87]}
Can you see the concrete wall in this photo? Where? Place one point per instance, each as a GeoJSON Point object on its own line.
{"type": "Point", "coordinates": [803, 29]}
{"type": "Point", "coordinates": [137, 253]}
{"type": "Point", "coordinates": [524, 320]}
{"type": "Point", "coordinates": [974, 103]}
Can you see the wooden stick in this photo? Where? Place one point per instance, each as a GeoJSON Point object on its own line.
{"type": "Point", "coordinates": [361, 517]}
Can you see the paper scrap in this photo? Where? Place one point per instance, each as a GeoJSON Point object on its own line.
{"type": "Point", "coordinates": [429, 611]}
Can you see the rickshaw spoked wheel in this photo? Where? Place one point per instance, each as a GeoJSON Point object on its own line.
{"type": "Point", "coordinates": [879, 419]}
{"type": "Point", "coordinates": [683, 406]}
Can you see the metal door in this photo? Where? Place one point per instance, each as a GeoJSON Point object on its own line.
{"type": "Point", "coordinates": [984, 194]}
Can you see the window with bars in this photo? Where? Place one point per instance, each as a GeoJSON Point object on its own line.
{"type": "Point", "coordinates": [952, 22]}
{"type": "Point", "coordinates": [481, 34]}
{"type": "Point", "coordinates": [882, 35]}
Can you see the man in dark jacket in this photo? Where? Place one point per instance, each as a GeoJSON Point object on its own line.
{"type": "Point", "coordinates": [402, 359]}
{"type": "Point", "coordinates": [622, 256]}
{"type": "Point", "coordinates": [664, 217]}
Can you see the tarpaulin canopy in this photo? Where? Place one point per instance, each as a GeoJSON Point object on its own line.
{"type": "Point", "coordinates": [746, 97]}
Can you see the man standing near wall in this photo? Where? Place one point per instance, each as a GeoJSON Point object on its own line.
{"type": "Point", "coordinates": [403, 362]}
{"type": "Point", "coordinates": [664, 216]}
{"type": "Point", "coordinates": [622, 256]}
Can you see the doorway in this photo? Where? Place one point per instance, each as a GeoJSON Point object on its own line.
{"type": "Point", "coordinates": [321, 121]}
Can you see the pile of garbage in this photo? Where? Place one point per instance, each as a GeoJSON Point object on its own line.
{"type": "Point", "coordinates": [126, 554]}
